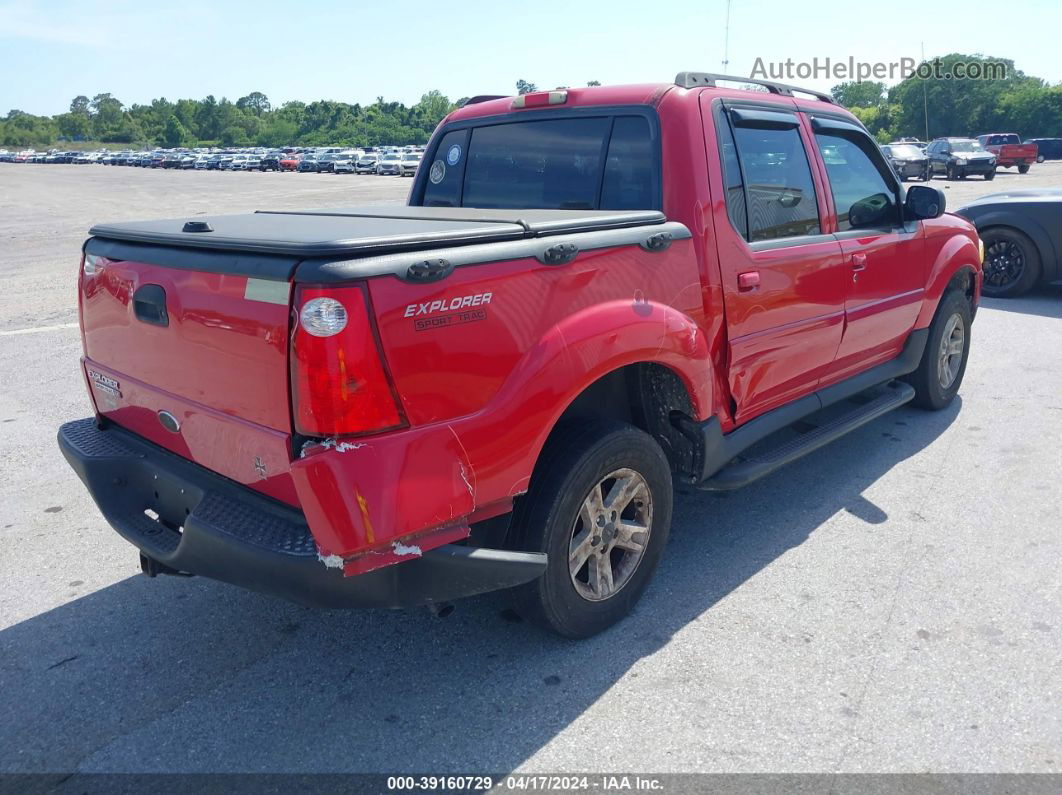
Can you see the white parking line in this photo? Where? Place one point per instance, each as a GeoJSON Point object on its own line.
{"type": "Point", "coordinates": [16, 332]}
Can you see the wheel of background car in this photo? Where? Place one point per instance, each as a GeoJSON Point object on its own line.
{"type": "Point", "coordinates": [1039, 158]}
{"type": "Point", "coordinates": [951, 171]}
{"type": "Point", "coordinates": [939, 375]}
{"type": "Point", "coordinates": [1012, 262]}
{"type": "Point", "coordinates": [1023, 169]}
{"type": "Point", "coordinates": [990, 175]}
{"type": "Point", "coordinates": [599, 505]}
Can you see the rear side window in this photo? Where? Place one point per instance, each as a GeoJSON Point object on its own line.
{"type": "Point", "coordinates": [628, 181]}
{"type": "Point", "coordinates": [572, 163]}
{"type": "Point", "coordinates": [779, 191]}
{"type": "Point", "coordinates": [444, 181]}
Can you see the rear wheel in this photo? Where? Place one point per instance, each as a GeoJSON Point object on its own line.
{"type": "Point", "coordinates": [1024, 169]}
{"type": "Point", "coordinates": [943, 364]}
{"type": "Point", "coordinates": [1012, 262]}
{"type": "Point", "coordinates": [599, 505]}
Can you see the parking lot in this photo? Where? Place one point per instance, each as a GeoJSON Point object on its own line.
{"type": "Point", "coordinates": [892, 603]}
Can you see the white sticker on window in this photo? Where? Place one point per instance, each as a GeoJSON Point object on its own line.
{"type": "Point", "coordinates": [438, 171]}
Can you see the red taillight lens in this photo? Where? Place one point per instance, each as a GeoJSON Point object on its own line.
{"type": "Point", "coordinates": [339, 384]}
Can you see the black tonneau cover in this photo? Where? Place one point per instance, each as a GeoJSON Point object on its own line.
{"type": "Point", "coordinates": [363, 231]}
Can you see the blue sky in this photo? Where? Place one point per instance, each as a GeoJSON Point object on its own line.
{"type": "Point", "coordinates": [53, 50]}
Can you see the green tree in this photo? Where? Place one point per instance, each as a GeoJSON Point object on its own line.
{"type": "Point", "coordinates": [859, 94]}
{"type": "Point", "coordinates": [523, 87]}
{"type": "Point", "coordinates": [256, 102]}
{"type": "Point", "coordinates": [73, 126]}
{"type": "Point", "coordinates": [80, 105]}
{"type": "Point", "coordinates": [176, 134]}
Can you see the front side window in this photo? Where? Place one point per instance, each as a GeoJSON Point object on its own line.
{"type": "Point", "coordinates": [779, 191]}
{"type": "Point", "coordinates": [861, 194]}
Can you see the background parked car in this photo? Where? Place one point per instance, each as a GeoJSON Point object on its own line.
{"type": "Point", "coordinates": [1047, 148]}
{"type": "Point", "coordinates": [326, 161]}
{"type": "Point", "coordinates": [366, 164]}
{"type": "Point", "coordinates": [1022, 234]}
{"type": "Point", "coordinates": [389, 165]}
{"type": "Point", "coordinates": [345, 162]}
{"type": "Point", "coordinates": [270, 161]}
{"type": "Point", "coordinates": [957, 158]}
{"type": "Point", "coordinates": [289, 162]}
{"type": "Point", "coordinates": [907, 160]}
{"type": "Point", "coordinates": [307, 162]}
{"type": "Point", "coordinates": [1009, 150]}
{"type": "Point", "coordinates": [408, 163]}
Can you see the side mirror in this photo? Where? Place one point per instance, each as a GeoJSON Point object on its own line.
{"type": "Point", "coordinates": [923, 202]}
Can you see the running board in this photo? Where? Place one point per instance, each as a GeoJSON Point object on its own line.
{"type": "Point", "coordinates": [745, 470]}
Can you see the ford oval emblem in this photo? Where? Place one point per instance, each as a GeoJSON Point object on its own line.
{"type": "Point", "coordinates": [169, 422]}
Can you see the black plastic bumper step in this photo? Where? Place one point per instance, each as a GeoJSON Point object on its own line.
{"type": "Point", "coordinates": [747, 469]}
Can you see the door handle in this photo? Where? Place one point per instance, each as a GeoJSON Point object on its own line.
{"type": "Point", "coordinates": [859, 262]}
{"type": "Point", "coordinates": [749, 280]}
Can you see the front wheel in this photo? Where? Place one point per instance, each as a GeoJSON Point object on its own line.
{"type": "Point", "coordinates": [991, 175]}
{"type": "Point", "coordinates": [599, 506]}
{"type": "Point", "coordinates": [943, 364]}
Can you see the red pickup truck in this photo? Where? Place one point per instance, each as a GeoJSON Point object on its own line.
{"type": "Point", "coordinates": [593, 294]}
{"type": "Point", "coordinates": [1009, 150]}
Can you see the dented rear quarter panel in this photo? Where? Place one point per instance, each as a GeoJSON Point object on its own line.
{"type": "Point", "coordinates": [482, 394]}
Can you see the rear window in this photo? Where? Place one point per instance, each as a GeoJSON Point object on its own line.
{"type": "Point", "coordinates": [584, 163]}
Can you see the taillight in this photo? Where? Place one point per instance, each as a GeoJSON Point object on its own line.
{"type": "Point", "coordinates": [339, 384]}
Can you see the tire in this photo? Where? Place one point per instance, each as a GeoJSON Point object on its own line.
{"type": "Point", "coordinates": [991, 175]}
{"type": "Point", "coordinates": [939, 374]}
{"type": "Point", "coordinates": [1023, 169]}
{"type": "Point", "coordinates": [1039, 158]}
{"type": "Point", "coordinates": [1012, 262]}
{"type": "Point", "coordinates": [951, 172]}
{"type": "Point", "coordinates": [578, 460]}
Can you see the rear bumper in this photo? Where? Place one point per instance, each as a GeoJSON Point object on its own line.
{"type": "Point", "coordinates": [213, 527]}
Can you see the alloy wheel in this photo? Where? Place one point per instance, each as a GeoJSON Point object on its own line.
{"type": "Point", "coordinates": [1004, 263]}
{"type": "Point", "coordinates": [952, 343]}
{"type": "Point", "coordinates": [610, 535]}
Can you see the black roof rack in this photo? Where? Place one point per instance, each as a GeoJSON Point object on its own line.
{"type": "Point", "coordinates": [483, 98]}
{"type": "Point", "coordinates": [698, 79]}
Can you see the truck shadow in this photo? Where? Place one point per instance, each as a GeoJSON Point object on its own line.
{"type": "Point", "coordinates": [183, 675]}
{"type": "Point", "coordinates": [1045, 301]}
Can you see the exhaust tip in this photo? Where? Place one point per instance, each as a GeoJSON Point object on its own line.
{"type": "Point", "coordinates": [442, 610]}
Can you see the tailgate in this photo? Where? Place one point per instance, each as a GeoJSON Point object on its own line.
{"type": "Point", "coordinates": [193, 360]}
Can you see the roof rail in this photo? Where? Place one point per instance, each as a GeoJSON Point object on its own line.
{"type": "Point", "coordinates": [697, 79]}
{"type": "Point", "coordinates": [483, 98]}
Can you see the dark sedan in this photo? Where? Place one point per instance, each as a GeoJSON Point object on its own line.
{"type": "Point", "coordinates": [907, 160]}
{"type": "Point", "coordinates": [308, 163]}
{"type": "Point", "coordinates": [1022, 234]}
